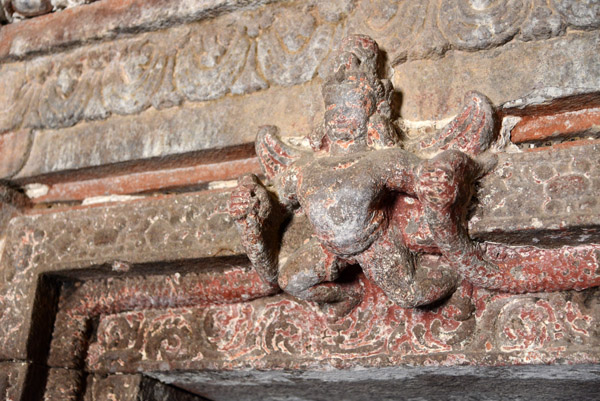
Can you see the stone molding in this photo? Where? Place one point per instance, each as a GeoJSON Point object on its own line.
{"type": "Point", "coordinates": [256, 50]}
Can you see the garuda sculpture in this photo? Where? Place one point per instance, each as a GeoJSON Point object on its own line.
{"type": "Point", "coordinates": [349, 187]}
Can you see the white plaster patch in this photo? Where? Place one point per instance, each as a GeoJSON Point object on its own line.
{"type": "Point", "coordinates": [36, 190]}
{"type": "Point", "coordinates": [436, 124]}
{"type": "Point", "coordinates": [504, 144]}
{"type": "Point", "coordinates": [222, 184]}
{"type": "Point", "coordinates": [109, 199]}
{"type": "Point", "coordinates": [300, 141]}
{"type": "Point", "coordinates": [537, 223]}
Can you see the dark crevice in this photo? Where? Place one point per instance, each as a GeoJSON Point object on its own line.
{"type": "Point", "coordinates": [45, 307]}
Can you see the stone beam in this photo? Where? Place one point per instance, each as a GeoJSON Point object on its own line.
{"type": "Point", "coordinates": [196, 226]}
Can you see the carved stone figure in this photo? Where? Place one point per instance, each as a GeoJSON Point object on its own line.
{"type": "Point", "coordinates": [354, 187]}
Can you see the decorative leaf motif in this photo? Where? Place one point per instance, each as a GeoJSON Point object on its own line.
{"type": "Point", "coordinates": [481, 24]}
{"type": "Point", "coordinates": [209, 63]}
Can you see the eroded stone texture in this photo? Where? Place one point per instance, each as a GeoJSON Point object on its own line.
{"type": "Point", "coordinates": [14, 147]}
{"type": "Point", "coordinates": [275, 45]}
{"type": "Point", "coordinates": [538, 383]}
{"type": "Point", "coordinates": [103, 20]}
{"type": "Point", "coordinates": [163, 69]}
{"type": "Point", "coordinates": [432, 89]}
{"type": "Point", "coordinates": [545, 197]}
{"type": "Point", "coordinates": [175, 131]}
{"type": "Point", "coordinates": [171, 228]}
{"type": "Point", "coordinates": [226, 283]}
{"type": "Point", "coordinates": [133, 388]}
{"type": "Point", "coordinates": [12, 380]}
{"type": "Point", "coordinates": [62, 384]}
{"type": "Point", "coordinates": [12, 202]}
{"type": "Point", "coordinates": [197, 226]}
{"type": "Point", "coordinates": [289, 45]}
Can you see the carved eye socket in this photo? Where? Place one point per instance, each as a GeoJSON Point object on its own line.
{"type": "Point", "coordinates": [345, 62]}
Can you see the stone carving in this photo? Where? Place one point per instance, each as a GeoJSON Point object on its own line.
{"type": "Point", "coordinates": [252, 50]}
{"type": "Point", "coordinates": [283, 333]}
{"type": "Point", "coordinates": [354, 187]}
{"type": "Point", "coordinates": [479, 24]}
{"type": "Point", "coordinates": [293, 48]}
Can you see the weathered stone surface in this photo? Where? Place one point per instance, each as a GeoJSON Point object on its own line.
{"type": "Point", "coordinates": [158, 133]}
{"type": "Point", "coordinates": [274, 45]}
{"type": "Point", "coordinates": [105, 20]}
{"type": "Point", "coordinates": [14, 147]}
{"type": "Point", "coordinates": [170, 228]}
{"type": "Point", "coordinates": [537, 383]}
{"type": "Point", "coordinates": [545, 197]}
{"type": "Point", "coordinates": [198, 226]}
{"type": "Point", "coordinates": [133, 388]}
{"type": "Point", "coordinates": [283, 333]}
{"type": "Point", "coordinates": [31, 8]}
{"type": "Point", "coordinates": [583, 122]}
{"type": "Point", "coordinates": [433, 89]}
{"type": "Point", "coordinates": [12, 380]}
{"type": "Point", "coordinates": [11, 203]}
{"type": "Point", "coordinates": [413, 30]}
{"type": "Point", "coordinates": [222, 281]}
{"type": "Point", "coordinates": [162, 69]}
{"type": "Point", "coordinates": [62, 383]}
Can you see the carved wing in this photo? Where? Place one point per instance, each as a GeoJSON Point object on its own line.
{"type": "Point", "coordinates": [471, 131]}
{"type": "Point", "coordinates": [275, 155]}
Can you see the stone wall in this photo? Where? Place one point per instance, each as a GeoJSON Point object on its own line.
{"type": "Point", "coordinates": [124, 125]}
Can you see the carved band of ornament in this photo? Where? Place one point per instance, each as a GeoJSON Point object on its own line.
{"type": "Point", "coordinates": [272, 46]}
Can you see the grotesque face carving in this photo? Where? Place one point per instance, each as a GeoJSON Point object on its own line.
{"type": "Point", "coordinates": [355, 97]}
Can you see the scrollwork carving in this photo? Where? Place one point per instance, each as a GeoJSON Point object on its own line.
{"type": "Point", "coordinates": [133, 79]}
{"type": "Point", "coordinates": [480, 24]}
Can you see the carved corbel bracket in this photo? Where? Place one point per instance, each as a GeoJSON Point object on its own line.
{"type": "Point", "coordinates": [401, 216]}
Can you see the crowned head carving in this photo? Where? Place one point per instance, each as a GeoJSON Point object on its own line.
{"type": "Point", "coordinates": [357, 101]}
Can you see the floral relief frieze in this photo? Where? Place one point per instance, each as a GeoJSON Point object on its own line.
{"type": "Point", "coordinates": [248, 51]}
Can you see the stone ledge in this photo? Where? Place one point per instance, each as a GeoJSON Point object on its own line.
{"type": "Point", "coordinates": [262, 49]}
{"type": "Point", "coordinates": [535, 383]}
{"type": "Point", "coordinates": [172, 132]}
{"type": "Point", "coordinates": [106, 19]}
{"type": "Point", "coordinates": [433, 89]}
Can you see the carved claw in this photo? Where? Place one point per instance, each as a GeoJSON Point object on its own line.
{"type": "Point", "coordinates": [249, 200]}
{"type": "Point", "coordinates": [251, 207]}
{"type": "Point", "coordinates": [471, 131]}
{"type": "Point", "coordinates": [274, 154]}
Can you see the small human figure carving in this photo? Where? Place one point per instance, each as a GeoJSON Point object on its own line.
{"type": "Point", "coordinates": [352, 187]}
